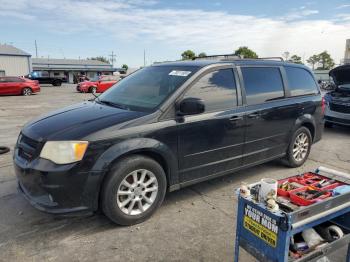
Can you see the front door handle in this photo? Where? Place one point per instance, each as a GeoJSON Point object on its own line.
{"type": "Point", "coordinates": [236, 118]}
{"type": "Point", "coordinates": [254, 115]}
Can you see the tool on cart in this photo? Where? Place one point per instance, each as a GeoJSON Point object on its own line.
{"type": "Point", "coordinates": [312, 218]}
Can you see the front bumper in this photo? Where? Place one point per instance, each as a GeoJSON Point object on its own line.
{"type": "Point", "coordinates": [337, 118]}
{"type": "Point", "coordinates": [36, 89]}
{"type": "Point", "coordinates": [82, 89]}
{"type": "Point", "coordinates": [57, 189]}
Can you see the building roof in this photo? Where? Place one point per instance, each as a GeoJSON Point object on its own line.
{"type": "Point", "coordinates": [70, 64]}
{"type": "Point", "coordinates": [54, 61]}
{"type": "Point", "coordinates": [11, 50]}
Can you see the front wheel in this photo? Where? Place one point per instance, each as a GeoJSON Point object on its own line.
{"type": "Point", "coordinates": [27, 91]}
{"type": "Point", "coordinates": [133, 190]}
{"type": "Point", "coordinates": [57, 83]}
{"type": "Point", "coordinates": [299, 148]}
{"type": "Point", "coordinates": [328, 124]}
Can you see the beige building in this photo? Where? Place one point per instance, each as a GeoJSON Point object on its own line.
{"type": "Point", "coordinates": [71, 69]}
{"type": "Point", "coordinates": [14, 61]}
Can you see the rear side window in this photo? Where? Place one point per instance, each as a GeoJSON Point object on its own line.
{"type": "Point", "coordinates": [300, 81]}
{"type": "Point", "coordinates": [13, 79]}
{"type": "Point", "coordinates": [217, 89]}
{"type": "Point", "coordinates": [262, 84]}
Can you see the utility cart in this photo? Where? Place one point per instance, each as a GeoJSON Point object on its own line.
{"type": "Point", "coordinates": [267, 234]}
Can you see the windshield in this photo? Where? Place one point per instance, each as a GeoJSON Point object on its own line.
{"type": "Point", "coordinates": [147, 88]}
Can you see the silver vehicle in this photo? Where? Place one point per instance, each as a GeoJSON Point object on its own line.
{"type": "Point", "coordinates": [338, 101]}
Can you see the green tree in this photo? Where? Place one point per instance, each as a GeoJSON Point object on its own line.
{"type": "Point", "coordinates": [188, 55]}
{"type": "Point", "coordinates": [326, 61]}
{"type": "Point", "coordinates": [100, 58]}
{"type": "Point", "coordinates": [202, 54]}
{"type": "Point", "coordinates": [245, 52]}
{"type": "Point", "coordinates": [295, 59]}
{"type": "Point", "coordinates": [125, 66]}
{"type": "Point", "coordinates": [313, 60]}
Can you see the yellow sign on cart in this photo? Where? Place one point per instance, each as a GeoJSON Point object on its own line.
{"type": "Point", "coordinates": [261, 225]}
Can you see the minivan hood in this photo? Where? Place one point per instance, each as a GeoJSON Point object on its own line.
{"type": "Point", "coordinates": [341, 75]}
{"type": "Point", "coordinates": [77, 121]}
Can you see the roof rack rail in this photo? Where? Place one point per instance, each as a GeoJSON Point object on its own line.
{"type": "Point", "coordinates": [271, 58]}
{"type": "Point", "coordinates": [228, 57]}
{"type": "Point", "coordinates": [221, 57]}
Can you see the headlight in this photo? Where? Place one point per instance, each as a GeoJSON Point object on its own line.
{"type": "Point", "coordinates": [64, 152]}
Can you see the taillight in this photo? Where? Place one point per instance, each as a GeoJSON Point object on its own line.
{"type": "Point", "coordinates": [323, 104]}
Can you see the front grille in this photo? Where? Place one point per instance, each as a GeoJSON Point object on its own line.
{"type": "Point", "coordinates": [28, 148]}
{"type": "Point", "coordinates": [341, 108]}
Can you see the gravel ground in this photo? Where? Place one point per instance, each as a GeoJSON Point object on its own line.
{"type": "Point", "coordinates": [194, 224]}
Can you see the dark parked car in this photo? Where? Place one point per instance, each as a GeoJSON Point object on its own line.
{"type": "Point", "coordinates": [338, 101]}
{"type": "Point", "coordinates": [44, 77]}
{"type": "Point", "coordinates": [165, 127]}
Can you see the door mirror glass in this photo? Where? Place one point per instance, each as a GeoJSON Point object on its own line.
{"type": "Point", "coordinates": [191, 106]}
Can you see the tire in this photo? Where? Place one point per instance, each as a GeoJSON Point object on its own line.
{"type": "Point", "coordinates": [93, 90]}
{"type": "Point", "coordinates": [121, 198]}
{"type": "Point", "coordinates": [294, 159]}
{"type": "Point", "coordinates": [27, 91]}
{"type": "Point", "coordinates": [328, 124]}
{"type": "Point", "coordinates": [56, 83]}
{"type": "Point", "coordinates": [4, 150]}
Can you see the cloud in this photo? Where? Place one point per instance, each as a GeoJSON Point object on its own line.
{"type": "Point", "coordinates": [178, 29]}
{"type": "Point", "coordinates": [299, 13]}
{"type": "Point", "coordinates": [343, 17]}
{"type": "Point", "coordinates": [342, 6]}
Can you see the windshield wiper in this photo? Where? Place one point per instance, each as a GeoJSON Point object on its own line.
{"type": "Point", "coordinates": [112, 104]}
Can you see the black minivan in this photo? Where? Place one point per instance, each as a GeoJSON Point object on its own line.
{"type": "Point", "coordinates": [165, 127]}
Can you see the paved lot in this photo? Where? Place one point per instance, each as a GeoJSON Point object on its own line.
{"type": "Point", "coordinates": [194, 224]}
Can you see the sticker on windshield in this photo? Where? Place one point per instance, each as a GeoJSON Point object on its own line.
{"type": "Point", "coordinates": [179, 73]}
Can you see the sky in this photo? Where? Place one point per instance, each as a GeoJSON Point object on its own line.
{"type": "Point", "coordinates": [164, 29]}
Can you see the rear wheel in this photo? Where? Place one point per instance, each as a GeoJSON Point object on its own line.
{"type": "Point", "coordinates": [27, 91]}
{"type": "Point", "coordinates": [56, 83]}
{"type": "Point", "coordinates": [93, 90]}
{"type": "Point", "coordinates": [133, 191]}
{"type": "Point", "coordinates": [299, 148]}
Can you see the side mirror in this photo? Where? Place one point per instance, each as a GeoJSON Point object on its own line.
{"type": "Point", "coordinates": [190, 106]}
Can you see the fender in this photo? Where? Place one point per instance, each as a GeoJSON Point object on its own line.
{"type": "Point", "coordinates": [139, 145]}
{"type": "Point", "coordinates": [306, 119]}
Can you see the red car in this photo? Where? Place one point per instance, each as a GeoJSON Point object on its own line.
{"type": "Point", "coordinates": [97, 84]}
{"type": "Point", "coordinates": [12, 85]}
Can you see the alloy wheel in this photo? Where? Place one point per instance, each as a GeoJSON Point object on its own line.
{"type": "Point", "coordinates": [137, 192]}
{"type": "Point", "coordinates": [27, 91]}
{"type": "Point", "coordinates": [300, 147]}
